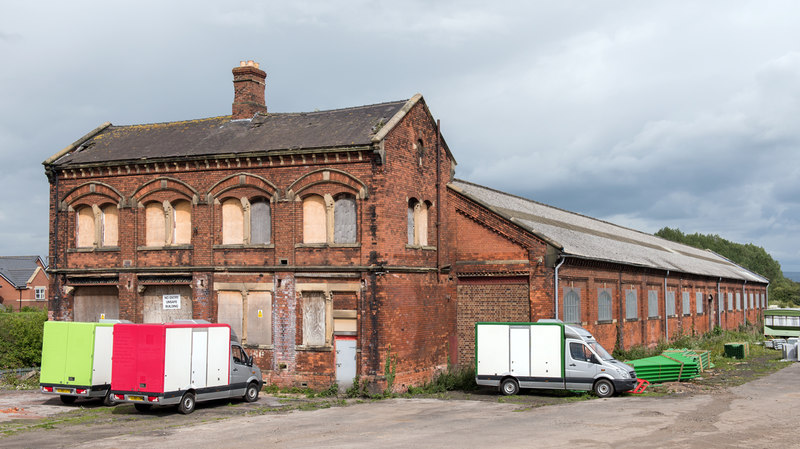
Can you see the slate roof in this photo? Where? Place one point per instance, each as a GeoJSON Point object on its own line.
{"type": "Point", "coordinates": [589, 238]}
{"type": "Point", "coordinates": [221, 136]}
{"type": "Point", "coordinates": [18, 269]}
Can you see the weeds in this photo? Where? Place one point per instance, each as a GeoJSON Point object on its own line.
{"type": "Point", "coordinates": [453, 379]}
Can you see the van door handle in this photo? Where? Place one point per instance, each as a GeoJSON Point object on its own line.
{"type": "Point", "coordinates": [237, 369]}
{"type": "Point", "coordinates": [572, 364]}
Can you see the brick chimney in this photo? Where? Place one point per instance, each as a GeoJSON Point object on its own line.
{"type": "Point", "coordinates": [248, 90]}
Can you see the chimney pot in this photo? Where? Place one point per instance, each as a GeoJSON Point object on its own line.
{"type": "Point", "coordinates": [248, 90]}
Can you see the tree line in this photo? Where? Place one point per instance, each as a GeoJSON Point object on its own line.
{"type": "Point", "coordinates": [782, 291]}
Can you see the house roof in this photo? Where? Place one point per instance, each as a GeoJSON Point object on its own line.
{"type": "Point", "coordinates": [584, 237]}
{"type": "Point", "coordinates": [18, 269]}
{"type": "Point", "coordinates": [264, 133]}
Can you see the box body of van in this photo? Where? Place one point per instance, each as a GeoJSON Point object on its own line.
{"type": "Point", "coordinates": [546, 355]}
{"type": "Point", "coordinates": [169, 364]}
{"type": "Point", "coordinates": [76, 359]}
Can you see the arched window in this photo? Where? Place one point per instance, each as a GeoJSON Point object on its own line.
{"type": "Point", "coordinates": [572, 306]}
{"type": "Point", "coordinates": [155, 224]}
{"type": "Point", "coordinates": [344, 219]}
{"type": "Point", "coordinates": [182, 223]}
{"type": "Point", "coordinates": [84, 227]}
{"type": "Point", "coordinates": [109, 225]}
{"type": "Point", "coordinates": [417, 222]}
{"type": "Point", "coordinates": [314, 220]}
{"type": "Point", "coordinates": [260, 221]}
{"type": "Point", "coordinates": [232, 222]}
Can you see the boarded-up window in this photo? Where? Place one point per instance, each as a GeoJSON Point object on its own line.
{"type": "Point", "coordinates": [421, 223]}
{"type": "Point", "coordinates": [687, 304]}
{"type": "Point", "coordinates": [411, 231]}
{"type": "Point", "coordinates": [229, 310]}
{"type": "Point", "coordinates": [95, 303]}
{"type": "Point", "coordinates": [417, 222]}
{"type": "Point", "coordinates": [631, 304]}
{"type": "Point", "coordinates": [84, 227]}
{"type": "Point", "coordinates": [604, 304]}
{"type": "Point", "coordinates": [182, 233]}
{"type": "Point", "coordinates": [671, 304]}
{"type": "Point", "coordinates": [158, 309]}
{"type": "Point", "coordinates": [260, 222]}
{"type": "Point", "coordinates": [155, 224]}
{"type": "Point", "coordinates": [344, 219]}
{"type": "Point", "coordinates": [314, 331]}
{"type": "Point", "coordinates": [738, 301]}
{"type": "Point", "coordinates": [730, 301]}
{"type": "Point", "coordinates": [314, 220]}
{"type": "Point", "coordinates": [751, 301]}
{"type": "Point", "coordinates": [699, 300]}
{"type": "Point", "coordinates": [232, 222]}
{"type": "Point", "coordinates": [110, 225]}
{"type": "Point", "coordinates": [652, 303]}
{"type": "Point", "coordinates": [259, 318]}
{"type": "Point", "coordinates": [572, 305]}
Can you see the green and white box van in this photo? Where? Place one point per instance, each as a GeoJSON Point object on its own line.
{"type": "Point", "coordinates": [76, 360]}
{"type": "Point", "coordinates": [546, 355]}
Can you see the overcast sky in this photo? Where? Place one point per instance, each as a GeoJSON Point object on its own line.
{"type": "Point", "coordinates": [646, 114]}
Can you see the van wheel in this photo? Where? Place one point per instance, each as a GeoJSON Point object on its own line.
{"type": "Point", "coordinates": [68, 399]}
{"type": "Point", "coordinates": [251, 394]}
{"type": "Point", "coordinates": [142, 407]}
{"type": "Point", "coordinates": [187, 404]}
{"type": "Point", "coordinates": [509, 387]}
{"type": "Point", "coordinates": [603, 388]}
{"type": "Point", "coordinates": [109, 399]}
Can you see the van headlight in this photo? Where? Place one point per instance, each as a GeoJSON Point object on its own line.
{"type": "Point", "coordinates": [623, 374]}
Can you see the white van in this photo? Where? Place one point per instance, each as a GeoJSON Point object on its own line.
{"type": "Point", "coordinates": [547, 355]}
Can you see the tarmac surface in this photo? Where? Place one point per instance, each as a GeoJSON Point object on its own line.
{"type": "Point", "coordinates": [761, 413]}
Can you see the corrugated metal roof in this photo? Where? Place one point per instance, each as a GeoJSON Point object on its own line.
{"type": "Point", "coordinates": [220, 135]}
{"type": "Point", "coordinates": [585, 237]}
{"type": "Point", "coordinates": [18, 269]}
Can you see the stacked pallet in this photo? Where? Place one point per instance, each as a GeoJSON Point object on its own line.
{"type": "Point", "coordinates": [671, 367]}
{"type": "Point", "coordinates": [703, 358]}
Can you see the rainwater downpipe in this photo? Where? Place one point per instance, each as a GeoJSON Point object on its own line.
{"type": "Point", "coordinates": [719, 303]}
{"type": "Point", "coordinates": [744, 301]}
{"type": "Point", "coordinates": [666, 311]}
{"type": "Point", "coordinates": [766, 306]}
{"type": "Point", "coordinates": [556, 282]}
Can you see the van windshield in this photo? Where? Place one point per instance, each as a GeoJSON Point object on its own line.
{"type": "Point", "coordinates": [601, 351]}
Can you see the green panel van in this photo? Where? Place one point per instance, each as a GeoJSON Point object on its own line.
{"type": "Point", "coordinates": [76, 360]}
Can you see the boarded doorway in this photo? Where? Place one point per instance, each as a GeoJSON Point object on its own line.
{"type": "Point", "coordinates": [165, 303]}
{"type": "Point", "coordinates": [95, 303]}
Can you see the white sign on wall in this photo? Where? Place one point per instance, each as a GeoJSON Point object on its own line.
{"type": "Point", "coordinates": [172, 302]}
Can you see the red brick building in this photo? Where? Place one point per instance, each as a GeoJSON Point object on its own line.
{"type": "Point", "coordinates": [23, 282]}
{"type": "Point", "coordinates": [333, 242]}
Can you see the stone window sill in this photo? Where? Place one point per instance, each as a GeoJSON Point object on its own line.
{"type": "Point", "coordinates": [162, 248]}
{"type": "Point", "coordinates": [100, 249]}
{"type": "Point", "coordinates": [420, 247]}
{"type": "Point", "coordinates": [327, 245]}
{"type": "Point", "coordinates": [605, 322]}
{"type": "Point", "coordinates": [325, 348]}
{"type": "Point", "coordinates": [252, 346]}
{"type": "Point", "coordinates": [250, 246]}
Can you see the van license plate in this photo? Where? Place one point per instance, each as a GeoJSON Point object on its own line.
{"type": "Point", "coordinates": [136, 398]}
{"type": "Point", "coordinates": [63, 390]}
